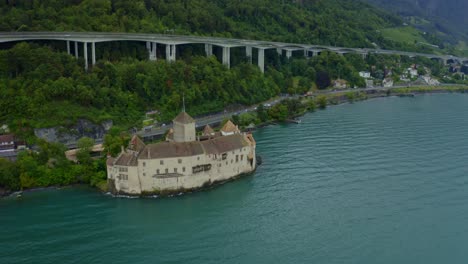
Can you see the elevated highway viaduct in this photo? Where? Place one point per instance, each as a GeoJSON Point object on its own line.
{"type": "Point", "coordinates": [89, 39]}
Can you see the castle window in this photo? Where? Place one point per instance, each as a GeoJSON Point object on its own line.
{"type": "Point", "coordinates": [179, 160]}
{"type": "Point", "coordinates": [232, 161]}
{"type": "Point", "coordinates": [167, 171]}
{"type": "Point", "coordinates": [144, 164]}
{"type": "Point", "coordinates": [175, 170]}
{"type": "Point", "coordinates": [122, 169]}
{"type": "Point", "coordinates": [198, 158]}
{"type": "Point", "coordinates": [144, 174]}
{"type": "Point", "coordinates": [183, 169]}
{"type": "Point", "coordinates": [224, 156]}
{"type": "Point", "coordinates": [237, 158]}
{"type": "Point", "coordinates": [161, 162]}
{"type": "Point", "coordinates": [157, 171]}
{"type": "Point", "coordinates": [242, 157]}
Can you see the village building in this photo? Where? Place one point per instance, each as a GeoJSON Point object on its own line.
{"type": "Point", "coordinates": [428, 80]}
{"type": "Point", "coordinates": [9, 147]}
{"type": "Point", "coordinates": [365, 74]}
{"type": "Point", "coordinates": [184, 162]}
{"type": "Point", "coordinates": [413, 71]}
{"type": "Point", "coordinates": [95, 151]}
{"type": "Point", "coordinates": [369, 83]}
{"type": "Point", "coordinates": [340, 84]}
{"type": "Point", "coordinates": [7, 143]}
{"type": "Point", "coordinates": [387, 82]}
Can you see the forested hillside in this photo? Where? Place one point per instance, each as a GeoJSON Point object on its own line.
{"type": "Point", "coordinates": [348, 23]}
{"type": "Point", "coordinates": [41, 88]}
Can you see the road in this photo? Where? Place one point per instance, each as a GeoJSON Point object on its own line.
{"type": "Point", "coordinates": [94, 37]}
{"type": "Point", "coordinates": [200, 122]}
{"type": "Point", "coordinates": [156, 132]}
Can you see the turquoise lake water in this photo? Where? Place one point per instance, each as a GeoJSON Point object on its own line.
{"type": "Point", "coordinates": [380, 181]}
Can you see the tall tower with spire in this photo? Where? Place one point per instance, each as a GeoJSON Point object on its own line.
{"type": "Point", "coordinates": [184, 127]}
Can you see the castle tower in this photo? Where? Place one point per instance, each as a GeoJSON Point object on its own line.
{"type": "Point", "coordinates": [184, 128]}
{"type": "Point", "coordinates": [229, 129]}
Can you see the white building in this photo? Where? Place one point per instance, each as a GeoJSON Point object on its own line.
{"type": "Point", "coordinates": [183, 163]}
{"type": "Point", "coordinates": [413, 73]}
{"type": "Point", "coordinates": [365, 74]}
{"type": "Point", "coordinates": [429, 80]}
{"type": "Point", "coordinates": [387, 82]}
{"type": "Point", "coordinates": [340, 84]}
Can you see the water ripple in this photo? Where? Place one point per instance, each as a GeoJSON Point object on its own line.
{"type": "Point", "coordinates": [383, 181]}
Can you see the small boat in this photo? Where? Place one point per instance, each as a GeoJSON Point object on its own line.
{"type": "Point", "coordinates": [295, 121]}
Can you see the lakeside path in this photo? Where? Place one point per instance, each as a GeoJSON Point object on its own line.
{"type": "Point", "coordinates": [157, 132]}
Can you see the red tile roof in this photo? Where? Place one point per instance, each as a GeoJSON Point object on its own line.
{"type": "Point", "coordinates": [7, 138]}
{"type": "Point", "coordinates": [184, 118]}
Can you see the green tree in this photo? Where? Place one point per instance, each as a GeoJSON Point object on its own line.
{"type": "Point", "coordinates": [278, 112]}
{"type": "Point", "coordinates": [321, 101]}
{"type": "Point", "coordinates": [9, 175]}
{"type": "Point", "coordinates": [84, 145]}
{"type": "Point", "coordinates": [262, 113]}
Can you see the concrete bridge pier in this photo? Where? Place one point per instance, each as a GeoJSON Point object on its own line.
{"type": "Point", "coordinates": [261, 59]}
{"type": "Point", "coordinates": [171, 52]}
{"type": "Point", "coordinates": [85, 52]}
{"type": "Point", "coordinates": [151, 47]}
{"type": "Point", "coordinates": [306, 53]}
{"type": "Point", "coordinates": [152, 50]}
{"type": "Point", "coordinates": [315, 53]}
{"type": "Point", "coordinates": [168, 53]}
{"type": "Point", "coordinates": [288, 54]}
{"type": "Point", "coordinates": [227, 57]}
{"type": "Point", "coordinates": [68, 47]}
{"type": "Point", "coordinates": [364, 56]}
{"type": "Point", "coordinates": [248, 53]}
{"type": "Point", "coordinates": [279, 51]}
{"type": "Point", "coordinates": [93, 53]}
{"type": "Point", "coordinates": [209, 50]}
{"type": "Point", "coordinates": [76, 49]}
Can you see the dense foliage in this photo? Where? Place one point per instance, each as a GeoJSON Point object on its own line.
{"type": "Point", "coordinates": [329, 22]}
{"type": "Point", "coordinates": [41, 88]}
{"type": "Point", "coordinates": [49, 167]}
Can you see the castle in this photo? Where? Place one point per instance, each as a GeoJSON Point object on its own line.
{"type": "Point", "coordinates": [184, 162]}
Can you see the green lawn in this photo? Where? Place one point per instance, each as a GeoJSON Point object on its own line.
{"type": "Point", "coordinates": [403, 34]}
{"type": "Point", "coordinates": [462, 49]}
